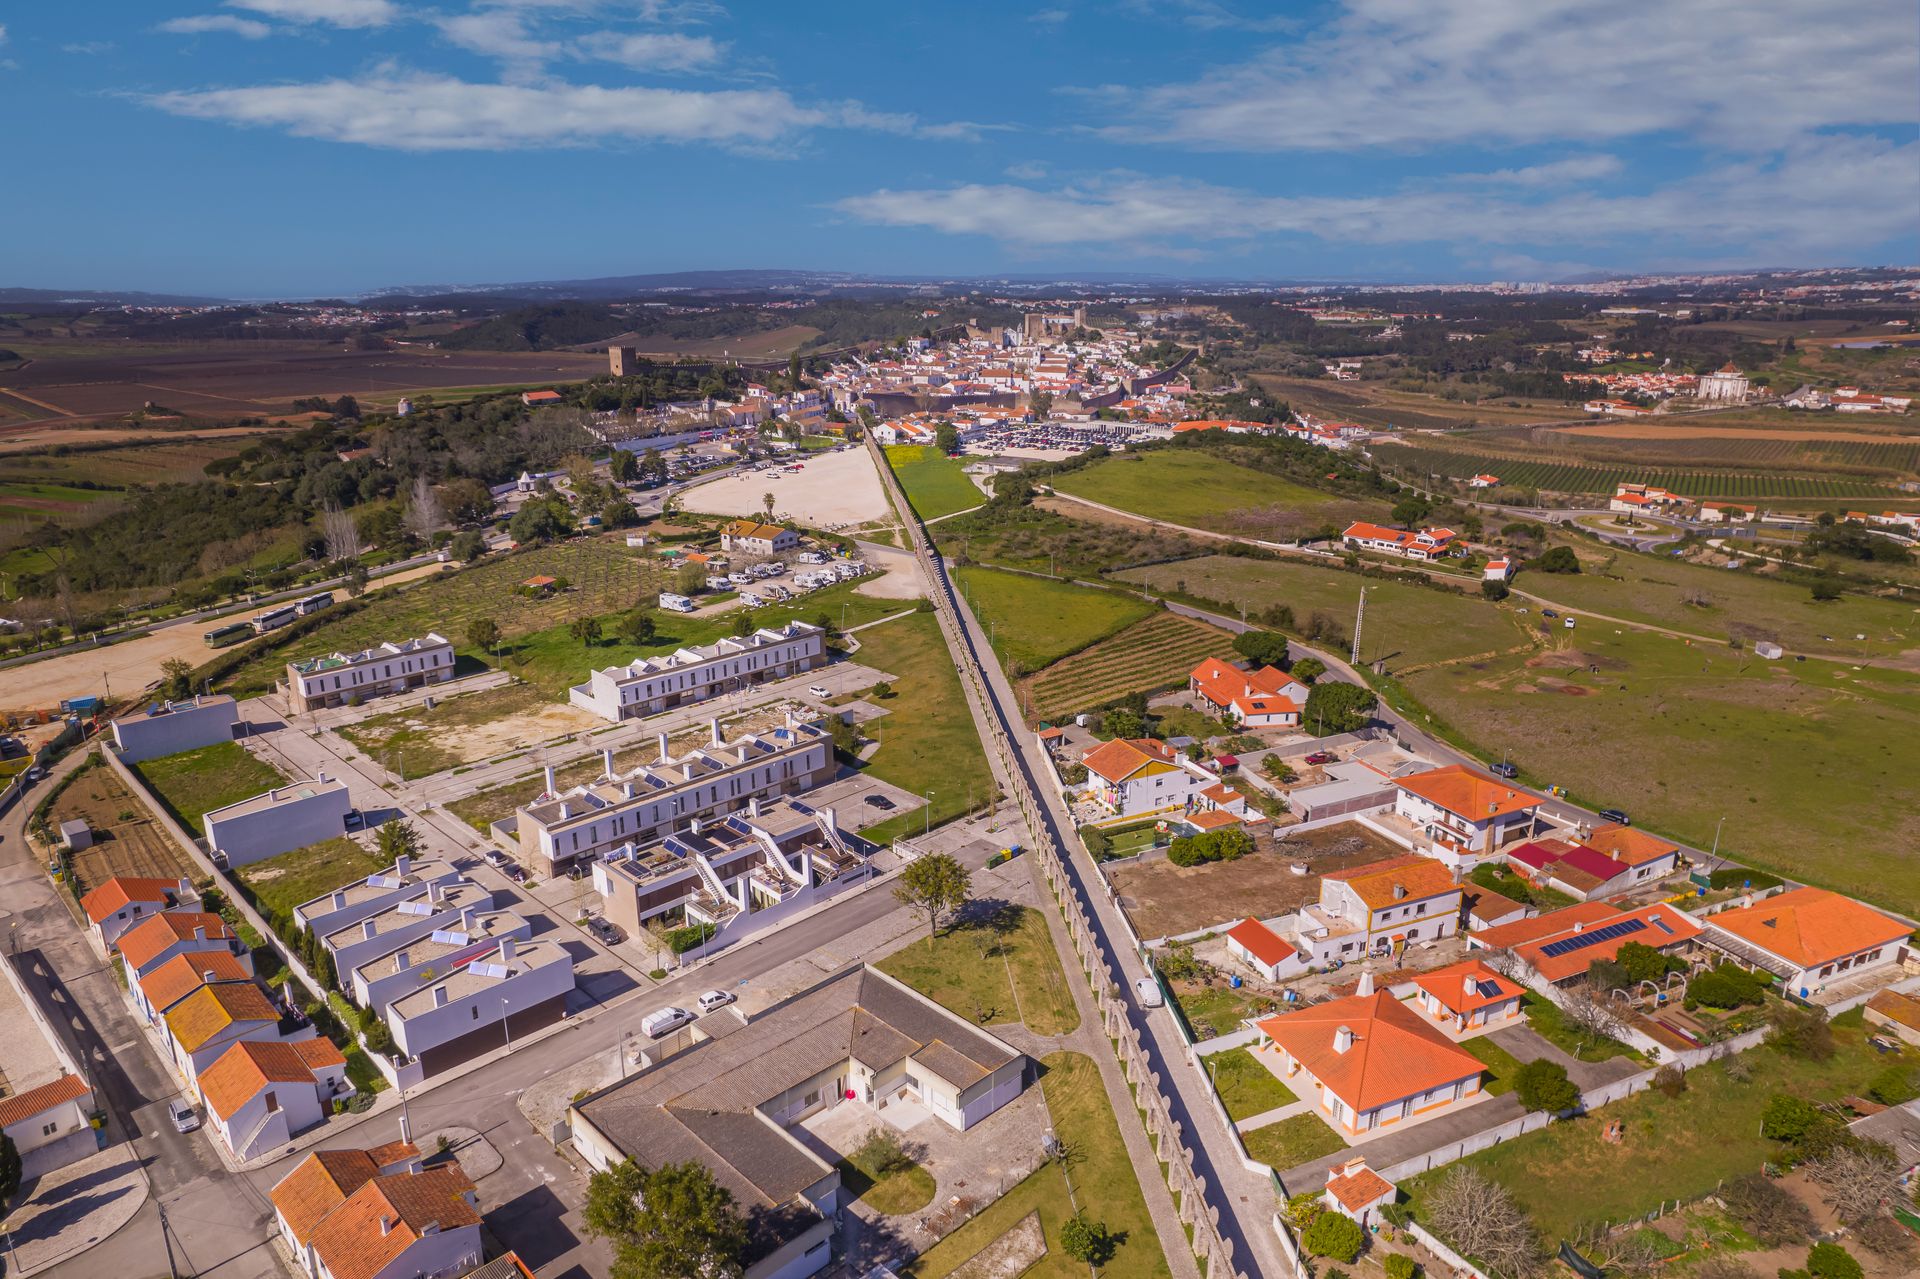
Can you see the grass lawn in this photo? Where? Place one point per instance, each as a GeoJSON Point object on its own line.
{"type": "Point", "coordinates": [1566, 1174]}
{"type": "Point", "coordinates": [1103, 1178]}
{"type": "Point", "coordinates": [1501, 1064]}
{"type": "Point", "coordinates": [1247, 1088]}
{"type": "Point", "coordinates": [278, 884]}
{"type": "Point", "coordinates": [1507, 884]}
{"type": "Point", "coordinates": [1548, 1022]}
{"type": "Point", "coordinates": [1192, 488]}
{"type": "Point", "coordinates": [1036, 621]}
{"type": "Point", "coordinates": [905, 1190]}
{"type": "Point", "coordinates": [992, 969]}
{"type": "Point", "coordinates": [935, 483]}
{"type": "Point", "coordinates": [927, 738]}
{"type": "Point", "coordinates": [1673, 713]}
{"type": "Point", "coordinates": [193, 783]}
{"type": "Point", "coordinates": [1292, 1142]}
{"type": "Point", "coordinates": [1406, 624]}
{"type": "Point", "coordinates": [1213, 1010]}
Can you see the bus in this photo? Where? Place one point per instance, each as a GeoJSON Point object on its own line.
{"type": "Point", "coordinates": [275, 619]}
{"type": "Point", "coordinates": [221, 636]}
{"type": "Point", "coordinates": [314, 603]}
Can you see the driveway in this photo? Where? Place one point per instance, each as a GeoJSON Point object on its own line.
{"type": "Point", "coordinates": [1526, 1045]}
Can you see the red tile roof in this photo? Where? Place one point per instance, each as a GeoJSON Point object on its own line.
{"type": "Point", "coordinates": [1449, 986]}
{"type": "Point", "coordinates": [1358, 1186]}
{"type": "Point", "coordinates": [1122, 757]}
{"type": "Point", "coordinates": [35, 1101]}
{"type": "Point", "coordinates": [1262, 943]}
{"type": "Point", "coordinates": [142, 943]}
{"type": "Point", "coordinates": [1664, 926]}
{"type": "Point", "coordinates": [1810, 926]}
{"type": "Point", "coordinates": [319, 1184]}
{"type": "Point", "coordinates": [1395, 1053]}
{"type": "Point", "coordinates": [350, 1240]}
{"type": "Point", "coordinates": [1468, 792]}
{"type": "Point", "coordinates": [1376, 882]}
{"type": "Point", "coordinates": [123, 890]}
{"type": "Point", "coordinates": [180, 976]}
{"type": "Point", "coordinates": [239, 1074]}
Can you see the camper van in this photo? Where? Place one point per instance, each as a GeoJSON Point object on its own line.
{"type": "Point", "coordinates": [675, 603]}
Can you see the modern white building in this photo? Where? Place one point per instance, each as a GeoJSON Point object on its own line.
{"type": "Point", "coordinates": [479, 1005]}
{"type": "Point", "coordinates": [279, 821]}
{"type": "Point", "coordinates": [419, 961]}
{"type": "Point", "coordinates": [341, 679]}
{"type": "Point", "coordinates": [167, 728]}
{"type": "Point", "coordinates": [423, 911]}
{"type": "Point", "coordinates": [354, 901]}
{"type": "Point", "coordinates": [1726, 384]}
{"type": "Point", "coordinates": [649, 685]}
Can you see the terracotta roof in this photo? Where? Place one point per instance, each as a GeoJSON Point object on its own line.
{"type": "Point", "coordinates": [1213, 819]}
{"type": "Point", "coordinates": [1358, 1187]}
{"type": "Point", "coordinates": [1896, 1006]}
{"type": "Point", "coordinates": [1630, 845]}
{"type": "Point", "coordinates": [1123, 757]}
{"type": "Point", "coordinates": [1421, 877]}
{"type": "Point", "coordinates": [1522, 931]}
{"type": "Point", "coordinates": [143, 942]}
{"type": "Point", "coordinates": [1484, 903]}
{"type": "Point", "coordinates": [1395, 1053]}
{"type": "Point", "coordinates": [1810, 926]}
{"type": "Point", "coordinates": [1261, 942]}
{"type": "Point", "coordinates": [394, 1152]}
{"type": "Point", "coordinates": [1226, 685]}
{"type": "Point", "coordinates": [1221, 793]}
{"type": "Point", "coordinates": [34, 1101]}
{"type": "Point", "coordinates": [238, 1074]}
{"type": "Point", "coordinates": [319, 1184]}
{"type": "Point", "coordinates": [1468, 792]}
{"type": "Point", "coordinates": [180, 976]}
{"type": "Point", "coordinates": [1566, 952]}
{"type": "Point", "coordinates": [123, 890]}
{"type": "Point", "coordinates": [1449, 986]}
{"type": "Point", "coordinates": [349, 1240]}
{"type": "Point", "coordinates": [211, 1009]}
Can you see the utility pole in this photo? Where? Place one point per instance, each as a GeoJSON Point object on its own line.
{"type": "Point", "coordinates": [1359, 618]}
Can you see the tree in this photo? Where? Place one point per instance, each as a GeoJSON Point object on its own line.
{"type": "Point", "coordinates": [1399, 1265]}
{"type": "Point", "coordinates": [9, 1172]}
{"type": "Point", "coordinates": [766, 504]}
{"type": "Point", "coordinates": [585, 629]}
{"type": "Point", "coordinates": [1857, 1181]}
{"type": "Point", "coordinates": [399, 839]}
{"type": "Point", "coordinates": [1338, 708]}
{"type": "Point", "coordinates": [343, 539]}
{"type": "Point", "coordinates": [423, 517]}
{"type": "Point", "coordinates": [1480, 1219]}
{"type": "Point", "coordinates": [1765, 1210]}
{"type": "Point", "coordinates": [1543, 1085]}
{"type": "Point", "coordinates": [1592, 1016]}
{"type": "Point", "coordinates": [1787, 1118]}
{"type": "Point", "coordinates": [1262, 648]}
{"type": "Point", "coordinates": [466, 500]}
{"type": "Point", "coordinates": [623, 466]}
{"type": "Point", "coordinates": [1800, 1030]}
{"type": "Point", "coordinates": [1495, 591]}
{"type": "Point", "coordinates": [1641, 962]}
{"type": "Point", "coordinates": [1409, 511]}
{"type": "Point", "coordinates": [1831, 1261]}
{"type": "Point", "coordinates": [936, 886]}
{"type": "Point", "coordinates": [357, 578]}
{"type": "Point", "coordinates": [1333, 1234]}
{"type": "Point", "coordinates": [1309, 669]}
{"type": "Point", "coordinates": [743, 624]}
{"type": "Point", "coordinates": [378, 1038]}
{"type": "Point", "coordinates": [483, 633]}
{"type": "Point", "coordinates": [1040, 404]}
{"type": "Point", "coordinates": [1558, 559]}
{"type": "Point", "coordinates": [638, 627]}
{"type": "Point", "coordinates": [467, 546]}
{"type": "Point", "coordinates": [1825, 589]}
{"type": "Point", "coordinates": [1122, 722]}
{"type": "Point", "coordinates": [671, 1222]}
{"type": "Point", "coordinates": [1088, 1241]}
{"type": "Point", "coordinates": [946, 438]}
{"type": "Point", "coordinates": [176, 679]}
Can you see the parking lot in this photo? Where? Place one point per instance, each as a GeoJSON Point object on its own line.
{"type": "Point", "coordinates": [1075, 437]}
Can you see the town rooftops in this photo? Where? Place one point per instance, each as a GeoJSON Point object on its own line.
{"type": "Point", "coordinates": [1409, 878]}
{"type": "Point", "coordinates": [141, 943]}
{"type": "Point", "coordinates": [1253, 692]}
{"type": "Point", "coordinates": [583, 803]}
{"type": "Point", "coordinates": [388, 1214]}
{"type": "Point", "coordinates": [1212, 819]}
{"type": "Point", "coordinates": [1261, 942]}
{"type": "Point", "coordinates": [379, 652]}
{"type": "Point", "coordinates": [1125, 757]}
{"type": "Point", "coordinates": [1468, 986]}
{"type": "Point", "coordinates": [403, 874]}
{"type": "Point", "coordinates": [1390, 1051]}
{"type": "Point", "coordinates": [1468, 792]}
{"type": "Point", "coordinates": [209, 1010]}
{"type": "Point", "coordinates": [482, 929]}
{"type": "Point", "coordinates": [423, 902]}
{"type": "Point", "coordinates": [1572, 938]}
{"type": "Point", "coordinates": [123, 891]}
{"type": "Point", "coordinates": [180, 976]}
{"type": "Point", "coordinates": [322, 1181]}
{"type": "Point", "coordinates": [238, 1074]}
{"type": "Point", "coordinates": [1809, 926]}
{"type": "Point", "coordinates": [730, 646]}
{"type": "Point", "coordinates": [35, 1101]}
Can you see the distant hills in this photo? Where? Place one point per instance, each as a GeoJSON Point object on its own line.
{"type": "Point", "coordinates": [100, 297]}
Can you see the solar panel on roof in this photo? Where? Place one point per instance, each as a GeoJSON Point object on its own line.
{"type": "Point", "coordinates": [1662, 925]}
{"type": "Point", "coordinates": [799, 807]}
{"type": "Point", "coordinates": [1488, 989]}
{"type": "Point", "coordinates": [1592, 937]}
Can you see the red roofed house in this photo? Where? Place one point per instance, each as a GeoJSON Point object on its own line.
{"type": "Point", "coordinates": [1129, 777]}
{"type": "Point", "coordinates": [1369, 1061]}
{"type": "Point", "coordinates": [176, 932]}
{"type": "Point", "coordinates": [1582, 873]}
{"type": "Point", "coordinates": [538, 399]}
{"type": "Point", "coordinates": [1808, 937]}
{"type": "Point", "coordinates": [1465, 812]}
{"type": "Point", "coordinates": [1357, 1190]}
{"type": "Point", "coordinates": [171, 982]}
{"type": "Point", "coordinates": [376, 1214]}
{"type": "Point", "coordinates": [260, 1094]}
{"type": "Point", "coordinates": [1262, 949]}
{"type": "Point", "coordinates": [46, 1116]}
{"type": "Point", "coordinates": [1467, 997]}
{"type": "Point", "coordinates": [1649, 856]}
{"type": "Point", "coordinates": [1561, 944]}
{"type": "Point", "coordinates": [126, 900]}
{"type": "Point", "coordinates": [322, 1181]}
{"type": "Point", "coordinates": [1424, 544]}
{"type": "Point", "coordinates": [1394, 903]}
{"type": "Point", "coordinates": [1266, 698]}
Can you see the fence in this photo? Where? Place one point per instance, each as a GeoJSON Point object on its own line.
{"type": "Point", "coordinates": [1164, 1132]}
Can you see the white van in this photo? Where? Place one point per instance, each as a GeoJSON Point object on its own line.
{"type": "Point", "coordinates": [676, 603]}
{"type": "Point", "coordinates": [664, 1022]}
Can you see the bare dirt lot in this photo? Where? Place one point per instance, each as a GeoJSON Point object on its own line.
{"type": "Point", "coordinates": [417, 742]}
{"type": "Point", "coordinates": [127, 839]}
{"type": "Point", "coordinates": [834, 491]}
{"type": "Point", "coordinates": [1164, 900]}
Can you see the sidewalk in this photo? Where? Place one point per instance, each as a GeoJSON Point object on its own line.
{"type": "Point", "coordinates": [68, 1211]}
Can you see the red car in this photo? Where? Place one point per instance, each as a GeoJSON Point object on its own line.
{"type": "Point", "coordinates": [1322, 757]}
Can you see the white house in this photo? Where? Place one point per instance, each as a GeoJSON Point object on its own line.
{"type": "Point", "coordinates": [1808, 937]}
{"type": "Point", "coordinates": [1420, 544]}
{"type": "Point", "coordinates": [376, 1214]}
{"type": "Point", "coordinates": [279, 820]}
{"type": "Point", "coordinates": [145, 947]}
{"type": "Point", "coordinates": [1266, 698]}
{"type": "Point", "coordinates": [39, 1119]}
{"type": "Point", "coordinates": [126, 900]}
{"type": "Point", "coordinates": [261, 1094]}
{"type": "Point", "coordinates": [1498, 570]}
{"type": "Point", "coordinates": [156, 993]}
{"type": "Point", "coordinates": [340, 679]}
{"type": "Point", "coordinates": [353, 902]}
{"type": "Point", "coordinates": [1394, 903]}
{"type": "Point", "coordinates": [1357, 1190]}
{"type": "Point", "coordinates": [1262, 949]}
{"type": "Point", "coordinates": [420, 960]}
{"type": "Point", "coordinates": [478, 1005]}
{"type": "Point", "coordinates": [212, 1019]}
{"type": "Point", "coordinates": [756, 538]}
{"type": "Point", "coordinates": [424, 910]}
{"type": "Point", "coordinates": [1132, 777]}
{"type": "Point", "coordinates": [1464, 813]}
{"type": "Point", "coordinates": [167, 728]}
{"type": "Point", "coordinates": [1468, 997]}
{"type": "Point", "coordinates": [649, 685]}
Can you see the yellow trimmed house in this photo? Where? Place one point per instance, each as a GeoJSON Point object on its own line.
{"type": "Point", "coordinates": [1130, 777]}
{"type": "Point", "coordinates": [751, 537]}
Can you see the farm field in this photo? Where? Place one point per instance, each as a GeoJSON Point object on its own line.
{"type": "Point", "coordinates": [773, 344]}
{"type": "Point", "coordinates": [127, 837]}
{"type": "Point", "coordinates": [1406, 624]}
{"type": "Point", "coordinates": [1035, 621]}
{"type": "Point", "coordinates": [153, 461]}
{"type": "Point", "coordinates": [194, 783]}
{"type": "Point", "coordinates": [1374, 404]}
{"type": "Point", "coordinates": [1682, 735]}
{"type": "Point", "coordinates": [1581, 478]}
{"type": "Point", "coordinates": [1149, 655]}
{"type": "Point", "coordinates": [935, 483]}
{"type": "Point", "coordinates": [1200, 490]}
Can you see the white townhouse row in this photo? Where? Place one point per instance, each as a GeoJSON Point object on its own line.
{"type": "Point", "coordinates": [340, 678]}
{"type": "Point", "coordinates": [650, 685]}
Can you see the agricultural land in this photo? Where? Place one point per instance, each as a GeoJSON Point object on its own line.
{"type": "Point", "coordinates": [1035, 621]}
{"type": "Point", "coordinates": [935, 483]}
{"type": "Point", "coordinates": [1157, 652]}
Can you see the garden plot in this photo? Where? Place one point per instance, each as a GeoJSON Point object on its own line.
{"type": "Point", "coordinates": [1147, 656]}
{"type": "Point", "coordinates": [417, 742]}
{"type": "Point", "coordinates": [127, 836]}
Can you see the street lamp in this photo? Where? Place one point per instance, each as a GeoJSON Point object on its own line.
{"type": "Point", "coordinates": [928, 830]}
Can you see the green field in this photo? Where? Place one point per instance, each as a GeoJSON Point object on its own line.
{"type": "Point", "coordinates": [1036, 621]}
{"type": "Point", "coordinates": [992, 968]}
{"type": "Point", "coordinates": [1153, 654]}
{"type": "Point", "coordinates": [1573, 477]}
{"type": "Point", "coordinates": [1246, 1087]}
{"type": "Point", "coordinates": [193, 783]}
{"type": "Point", "coordinates": [1292, 1141]}
{"type": "Point", "coordinates": [1808, 762]}
{"type": "Point", "coordinates": [935, 483]}
{"type": "Point", "coordinates": [1104, 1180]}
{"type": "Point", "coordinates": [1196, 489]}
{"type": "Point", "coordinates": [278, 884]}
{"type": "Point", "coordinates": [1405, 624]}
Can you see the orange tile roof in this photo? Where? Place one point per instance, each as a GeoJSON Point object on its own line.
{"type": "Point", "coordinates": [1221, 793]}
{"type": "Point", "coordinates": [1810, 926]}
{"type": "Point", "coordinates": [211, 1009]}
{"type": "Point", "coordinates": [1213, 819]}
{"type": "Point", "coordinates": [123, 890]}
{"type": "Point", "coordinates": [143, 942]}
{"type": "Point", "coordinates": [1522, 931]}
{"type": "Point", "coordinates": [1395, 1053]}
{"type": "Point", "coordinates": [1468, 792]}
{"type": "Point", "coordinates": [1122, 757]}
{"type": "Point", "coordinates": [237, 1075]}
{"type": "Point", "coordinates": [1358, 1187]}
{"type": "Point", "coordinates": [1898, 1007]}
{"type": "Point", "coordinates": [349, 1241]}
{"type": "Point", "coordinates": [1261, 942]}
{"type": "Point", "coordinates": [394, 1152]}
{"type": "Point", "coordinates": [1224, 684]}
{"type": "Point", "coordinates": [1666, 926]}
{"type": "Point", "coordinates": [180, 976]}
{"type": "Point", "coordinates": [1375, 882]}
{"type": "Point", "coordinates": [319, 1184]}
{"type": "Point", "coordinates": [35, 1101]}
{"type": "Point", "coordinates": [1629, 844]}
{"type": "Point", "coordinates": [1449, 986]}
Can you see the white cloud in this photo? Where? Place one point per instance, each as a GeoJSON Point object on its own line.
{"type": "Point", "coordinates": [420, 112]}
{"type": "Point", "coordinates": [655, 51]}
{"type": "Point", "coordinates": [1572, 170]}
{"type": "Point", "coordinates": [333, 13]}
{"type": "Point", "coordinates": [1049, 17]}
{"type": "Point", "coordinates": [1432, 73]}
{"type": "Point", "coordinates": [1820, 199]}
{"type": "Point", "coordinates": [207, 23]}
{"type": "Point", "coordinates": [495, 33]}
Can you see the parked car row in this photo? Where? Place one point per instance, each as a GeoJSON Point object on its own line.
{"type": "Point", "coordinates": [664, 1021]}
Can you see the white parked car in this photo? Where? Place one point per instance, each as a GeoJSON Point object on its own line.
{"type": "Point", "coordinates": [716, 999]}
{"type": "Point", "coordinates": [664, 1022]}
{"type": "Point", "coordinates": [819, 690]}
{"type": "Point", "coordinates": [1148, 992]}
{"type": "Point", "coordinates": [185, 1119]}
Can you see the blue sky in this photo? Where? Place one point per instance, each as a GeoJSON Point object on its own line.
{"type": "Point", "coordinates": [280, 147]}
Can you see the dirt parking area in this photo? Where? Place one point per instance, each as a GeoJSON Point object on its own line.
{"type": "Point", "coordinates": [833, 491]}
{"type": "Point", "coordinates": [1164, 900]}
{"type": "Point", "coordinates": [127, 838]}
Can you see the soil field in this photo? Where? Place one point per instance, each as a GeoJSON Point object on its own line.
{"type": "Point", "coordinates": [1164, 900]}
{"type": "Point", "coordinates": [136, 461]}
{"type": "Point", "coordinates": [774, 344]}
{"type": "Point", "coordinates": [417, 742]}
{"type": "Point", "coordinates": [1373, 404]}
{"type": "Point", "coordinates": [1152, 654]}
{"type": "Point", "coordinates": [232, 378]}
{"type": "Point", "coordinates": [127, 837]}
{"type": "Point", "coordinates": [832, 491]}
{"type": "Point", "coordinates": [1657, 431]}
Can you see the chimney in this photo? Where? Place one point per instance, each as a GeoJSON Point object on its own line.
{"type": "Point", "coordinates": [753, 806]}
{"type": "Point", "coordinates": [369, 930]}
{"type": "Point", "coordinates": [206, 975]}
{"type": "Point", "coordinates": [686, 770]}
{"type": "Point", "coordinates": [606, 760]}
{"type": "Point", "coordinates": [273, 795]}
{"type": "Point", "coordinates": [1579, 926]}
{"type": "Point", "coordinates": [506, 950]}
{"type": "Point", "coordinates": [1366, 985]}
{"type": "Point", "coordinates": [435, 893]}
{"type": "Point", "coordinates": [439, 996]}
{"type": "Point", "coordinates": [1342, 1039]}
{"type": "Point", "coordinates": [403, 865]}
{"type": "Point", "coordinates": [1399, 892]}
{"type": "Point", "coordinates": [550, 785]}
{"type": "Point", "coordinates": [626, 790]}
{"type": "Point", "coordinates": [386, 1224]}
{"type": "Point", "coordinates": [402, 961]}
{"type": "Point", "coordinates": [1468, 985]}
{"type": "Point", "coordinates": [665, 755]}
{"type": "Point", "coordinates": [566, 810]}
{"type": "Point", "coordinates": [466, 920]}
{"type": "Point", "coordinates": [321, 776]}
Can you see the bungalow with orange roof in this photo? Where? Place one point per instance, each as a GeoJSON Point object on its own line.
{"type": "Point", "coordinates": [1129, 777]}
{"type": "Point", "coordinates": [1368, 1061]}
{"type": "Point", "coordinates": [1808, 937]}
{"type": "Point", "coordinates": [1497, 570]}
{"type": "Point", "coordinates": [1266, 698]}
{"type": "Point", "coordinates": [1465, 813]}
{"type": "Point", "coordinates": [1728, 513]}
{"type": "Point", "coordinates": [127, 900]}
{"type": "Point", "coordinates": [45, 1116]}
{"type": "Point", "coordinates": [541, 399]}
{"type": "Point", "coordinates": [1647, 857]}
{"type": "Point", "coordinates": [1394, 903]}
{"type": "Point", "coordinates": [180, 976]}
{"type": "Point", "coordinates": [1483, 482]}
{"type": "Point", "coordinates": [1468, 997]}
{"type": "Point", "coordinates": [214, 1018]}
{"type": "Point", "coordinates": [412, 1223]}
{"type": "Point", "coordinates": [322, 1181]}
{"type": "Point", "coordinates": [1412, 544]}
{"type": "Point", "coordinates": [260, 1094]}
{"type": "Point", "coordinates": [1896, 1013]}
{"type": "Point", "coordinates": [1263, 950]}
{"type": "Point", "coordinates": [1559, 946]}
{"type": "Point", "coordinates": [756, 537]}
{"type": "Point", "coordinates": [1357, 1191]}
{"type": "Point", "coordinates": [177, 932]}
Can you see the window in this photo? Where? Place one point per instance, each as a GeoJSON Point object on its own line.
{"type": "Point", "coordinates": [475, 1010]}
{"type": "Point", "coordinates": [47, 1130]}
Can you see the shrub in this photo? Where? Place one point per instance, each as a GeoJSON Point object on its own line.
{"type": "Point", "coordinates": [1788, 1118]}
{"type": "Point", "coordinates": [1543, 1085]}
{"type": "Point", "coordinates": [1097, 841]}
{"type": "Point", "coordinates": [1087, 1241]}
{"type": "Point", "coordinates": [1670, 1080]}
{"type": "Point", "coordinates": [1339, 1236]}
{"type": "Point", "coordinates": [1725, 986]}
{"type": "Point", "coordinates": [1559, 559]}
{"type": "Point", "coordinates": [682, 940]}
{"type": "Point", "coordinates": [379, 1039]}
{"type": "Point", "coordinates": [1831, 1261]}
{"type": "Point", "coordinates": [1399, 1265]}
{"type": "Point", "coordinates": [1896, 1085]}
{"type": "Point", "coordinates": [1801, 1030]}
{"type": "Point", "coordinates": [1226, 845]}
